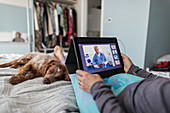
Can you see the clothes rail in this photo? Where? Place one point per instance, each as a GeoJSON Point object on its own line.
{"type": "Point", "coordinates": [71, 2]}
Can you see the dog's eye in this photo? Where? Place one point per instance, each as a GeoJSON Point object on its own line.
{"type": "Point", "coordinates": [51, 70]}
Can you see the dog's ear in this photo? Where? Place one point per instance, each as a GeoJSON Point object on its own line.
{"type": "Point", "coordinates": [66, 76]}
{"type": "Point", "coordinates": [45, 68]}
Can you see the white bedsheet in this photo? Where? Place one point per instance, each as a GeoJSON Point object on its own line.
{"type": "Point", "coordinates": [32, 96]}
{"type": "Point", "coordinates": [4, 58]}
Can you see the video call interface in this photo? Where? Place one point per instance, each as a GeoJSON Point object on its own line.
{"type": "Point", "coordinates": [99, 57]}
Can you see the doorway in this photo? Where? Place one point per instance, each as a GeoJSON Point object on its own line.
{"type": "Point", "coordinates": [94, 18]}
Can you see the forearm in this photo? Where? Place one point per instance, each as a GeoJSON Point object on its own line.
{"type": "Point", "coordinates": [105, 99]}
{"type": "Point", "coordinates": [140, 72]}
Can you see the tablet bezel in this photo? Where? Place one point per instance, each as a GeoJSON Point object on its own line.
{"type": "Point", "coordinates": [101, 40]}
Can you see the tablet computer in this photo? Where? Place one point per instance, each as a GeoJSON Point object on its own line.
{"type": "Point", "coordinates": [95, 55]}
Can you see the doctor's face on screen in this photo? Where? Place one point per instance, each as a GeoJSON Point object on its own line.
{"type": "Point", "coordinates": [96, 49]}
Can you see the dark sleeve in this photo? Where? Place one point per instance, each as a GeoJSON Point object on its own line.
{"type": "Point", "coordinates": [140, 72]}
{"type": "Point", "coordinates": [105, 99]}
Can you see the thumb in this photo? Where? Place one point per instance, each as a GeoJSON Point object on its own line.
{"type": "Point", "coordinates": [123, 55]}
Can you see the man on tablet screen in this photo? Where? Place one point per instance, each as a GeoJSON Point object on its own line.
{"type": "Point", "coordinates": [99, 58]}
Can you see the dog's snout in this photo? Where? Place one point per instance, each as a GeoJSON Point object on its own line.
{"type": "Point", "coordinates": [46, 81]}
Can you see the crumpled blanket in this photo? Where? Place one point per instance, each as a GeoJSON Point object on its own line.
{"type": "Point", "coordinates": [32, 96]}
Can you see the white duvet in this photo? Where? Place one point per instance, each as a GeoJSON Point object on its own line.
{"type": "Point", "coordinates": [32, 96]}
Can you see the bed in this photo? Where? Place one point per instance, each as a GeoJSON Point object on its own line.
{"type": "Point", "coordinates": [33, 96]}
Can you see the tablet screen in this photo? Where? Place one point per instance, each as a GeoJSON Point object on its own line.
{"type": "Point", "coordinates": [99, 57]}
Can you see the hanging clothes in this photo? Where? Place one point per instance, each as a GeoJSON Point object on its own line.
{"type": "Point", "coordinates": [35, 20]}
{"type": "Point", "coordinates": [70, 26]}
{"type": "Point", "coordinates": [74, 22]}
{"type": "Point", "coordinates": [38, 33]}
{"type": "Point", "coordinates": [50, 27]}
{"type": "Point", "coordinates": [63, 22]}
{"type": "Point", "coordinates": [56, 23]}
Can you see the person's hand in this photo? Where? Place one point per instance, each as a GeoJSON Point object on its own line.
{"type": "Point", "coordinates": [127, 62]}
{"type": "Point", "coordinates": [106, 62]}
{"type": "Point", "coordinates": [86, 80]}
{"type": "Point", "coordinates": [103, 62]}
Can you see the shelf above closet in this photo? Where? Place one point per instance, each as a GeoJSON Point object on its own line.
{"type": "Point", "coordinates": [66, 1]}
{"type": "Point", "coordinates": [71, 2]}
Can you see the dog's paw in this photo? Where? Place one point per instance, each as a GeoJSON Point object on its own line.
{"type": "Point", "coordinates": [15, 80]}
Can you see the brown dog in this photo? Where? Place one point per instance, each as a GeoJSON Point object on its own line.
{"type": "Point", "coordinates": [36, 64]}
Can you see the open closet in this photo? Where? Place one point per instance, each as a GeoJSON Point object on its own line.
{"type": "Point", "coordinates": [55, 23]}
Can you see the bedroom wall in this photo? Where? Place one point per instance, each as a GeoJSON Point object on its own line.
{"type": "Point", "coordinates": [158, 41]}
{"type": "Point", "coordinates": [14, 18]}
{"type": "Point", "coordinates": [128, 21]}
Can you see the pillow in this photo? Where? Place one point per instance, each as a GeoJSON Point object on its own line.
{"type": "Point", "coordinates": [164, 58]}
{"type": "Point", "coordinates": [85, 101]}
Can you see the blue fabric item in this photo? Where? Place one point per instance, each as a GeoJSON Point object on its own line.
{"type": "Point", "coordinates": [84, 100]}
{"type": "Point", "coordinates": [118, 82]}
